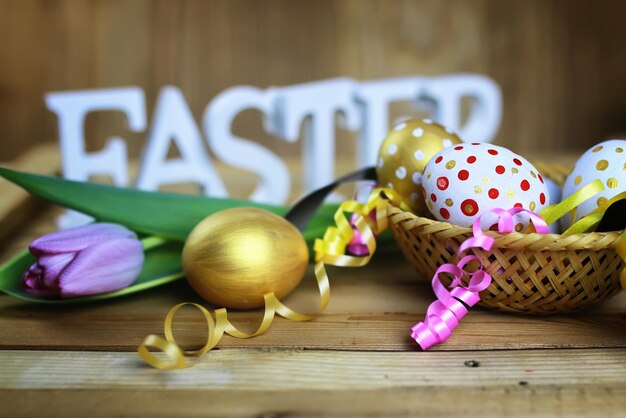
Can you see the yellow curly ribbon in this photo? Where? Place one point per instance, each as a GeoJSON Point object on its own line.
{"type": "Point", "coordinates": [621, 251]}
{"type": "Point", "coordinates": [176, 357]}
{"type": "Point", "coordinates": [331, 249]}
{"type": "Point", "coordinates": [553, 213]}
{"type": "Point", "coordinates": [587, 223]}
{"type": "Point", "coordinates": [590, 221]}
{"type": "Point", "coordinates": [593, 219]}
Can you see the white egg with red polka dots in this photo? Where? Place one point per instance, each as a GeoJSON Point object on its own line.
{"type": "Point", "coordinates": [464, 181]}
{"type": "Point", "coordinates": [606, 162]}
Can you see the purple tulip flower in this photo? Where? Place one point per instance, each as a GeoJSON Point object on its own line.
{"type": "Point", "coordinates": [87, 260]}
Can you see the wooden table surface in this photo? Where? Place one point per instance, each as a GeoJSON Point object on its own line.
{"type": "Point", "coordinates": [355, 359]}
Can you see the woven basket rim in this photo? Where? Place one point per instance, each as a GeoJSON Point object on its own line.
{"type": "Point", "coordinates": [600, 240]}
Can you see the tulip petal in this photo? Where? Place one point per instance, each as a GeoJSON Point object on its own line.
{"type": "Point", "coordinates": [79, 238]}
{"type": "Point", "coordinates": [102, 268]}
{"type": "Point", "coordinates": [52, 266]}
{"type": "Point", "coordinates": [33, 285]}
{"type": "Point", "coordinates": [40, 292]}
{"type": "Point", "coordinates": [32, 277]}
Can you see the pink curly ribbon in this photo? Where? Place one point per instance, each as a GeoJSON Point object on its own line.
{"type": "Point", "coordinates": [444, 314]}
{"type": "Point", "coordinates": [358, 245]}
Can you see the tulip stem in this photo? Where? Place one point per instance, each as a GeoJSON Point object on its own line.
{"type": "Point", "coordinates": [152, 241]}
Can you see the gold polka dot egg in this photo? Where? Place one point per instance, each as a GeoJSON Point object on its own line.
{"type": "Point", "coordinates": [464, 181]}
{"type": "Point", "coordinates": [606, 162]}
{"type": "Point", "coordinates": [404, 154]}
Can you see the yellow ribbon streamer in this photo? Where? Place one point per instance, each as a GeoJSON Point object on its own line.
{"type": "Point", "coordinates": [590, 221]}
{"type": "Point", "coordinates": [587, 223]}
{"type": "Point", "coordinates": [553, 213]}
{"type": "Point", "coordinates": [329, 250]}
{"type": "Point", "coordinates": [621, 251]}
{"type": "Point", "coordinates": [220, 325]}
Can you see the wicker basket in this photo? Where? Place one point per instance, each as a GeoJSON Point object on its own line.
{"type": "Point", "coordinates": [532, 273]}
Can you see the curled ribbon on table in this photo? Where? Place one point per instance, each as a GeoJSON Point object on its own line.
{"type": "Point", "coordinates": [352, 243]}
{"type": "Point", "coordinates": [444, 314]}
{"type": "Point", "coordinates": [368, 220]}
{"type": "Point", "coordinates": [176, 357]}
{"type": "Point", "coordinates": [357, 245]}
{"type": "Point", "coordinates": [331, 249]}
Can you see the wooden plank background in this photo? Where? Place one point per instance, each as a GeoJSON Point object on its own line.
{"type": "Point", "coordinates": [562, 68]}
{"type": "Point", "coordinates": [355, 359]}
{"type": "Point", "coordinates": [561, 63]}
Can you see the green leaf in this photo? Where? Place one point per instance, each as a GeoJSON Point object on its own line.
{"type": "Point", "coordinates": [168, 215]}
{"type": "Point", "coordinates": [162, 265]}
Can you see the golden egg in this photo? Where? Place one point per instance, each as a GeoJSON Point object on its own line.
{"type": "Point", "coordinates": [404, 154]}
{"type": "Point", "coordinates": [234, 257]}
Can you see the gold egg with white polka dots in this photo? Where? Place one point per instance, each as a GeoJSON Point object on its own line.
{"type": "Point", "coordinates": [404, 154]}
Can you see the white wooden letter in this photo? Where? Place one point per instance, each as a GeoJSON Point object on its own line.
{"type": "Point", "coordinates": [174, 122]}
{"type": "Point", "coordinates": [71, 108]}
{"type": "Point", "coordinates": [319, 101]}
{"type": "Point", "coordinates": [274, 180]}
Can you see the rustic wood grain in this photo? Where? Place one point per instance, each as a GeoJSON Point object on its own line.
{"type": "Point", "coordinates": [560, 65]}
{"type": "Point", "coordinates": [355, 359]}
{"type": "Point", "coordinates": [281, 370]}
{"type": "Point", "coordinates": [436, 401]}
{"type": "Point", "coordinates": [371, 308]}
{"type": "Point", "coordinates": [296, 382]}
{"type": "Point", "coordinates": [379, 304]}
